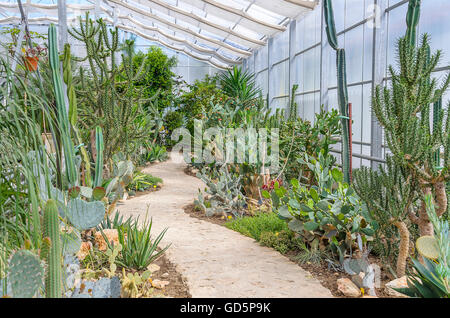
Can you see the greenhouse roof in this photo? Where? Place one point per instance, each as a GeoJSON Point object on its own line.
{"type": "Point", "coordinates": [221, 33]}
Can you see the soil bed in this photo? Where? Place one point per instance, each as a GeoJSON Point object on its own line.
{"type": "Point", "coordinates": [195, 213]}
{"type": "Point", "coordinates": [177, 287]}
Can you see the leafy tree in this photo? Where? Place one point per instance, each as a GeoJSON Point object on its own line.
{"type": "Point", "coordinates": [199, 98]}
{"type": "Point", "coordinates": [159, 78]}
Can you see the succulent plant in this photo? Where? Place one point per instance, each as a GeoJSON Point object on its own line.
{"type": "Point", "coordinates": [85, 215]}
{"type": "Point", "coordinates": [225, 193]}
{"type": "Point", "coordinates": [122, 176]}
{"type": "Point", "coordinates": [428, 247]}
{"type": "Point", "coordinates": [52, 250]}
{"type": "Point", "coordinates": [26, 274]}
{"type": "Point", "coordinates": [342, 88]}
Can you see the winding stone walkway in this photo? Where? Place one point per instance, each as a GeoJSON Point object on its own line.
{"type": "Point", "coordinates": [216, 261]}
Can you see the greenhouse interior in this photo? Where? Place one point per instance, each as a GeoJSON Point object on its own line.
{"type": "Point", "coordinates": [238, 149]}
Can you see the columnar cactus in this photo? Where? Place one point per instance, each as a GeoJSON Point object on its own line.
{"type": "Point", "coordinates": [99, 160]}
{"type": "Point", "coordinates": [412, 20]}
{"type": "Point", "coordinates": [63, 118]}
{"type": "Point", "coordinates": [73, 111]}
{"type": "Point", "coordinates": [342, 89]}
{"type": "Point", "coordinates": [52, 250]}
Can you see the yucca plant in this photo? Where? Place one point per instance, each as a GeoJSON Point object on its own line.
{"type": "Point", "coordinates": [138, 248]}
{"type": "Point", "coordinates": [240, 84]}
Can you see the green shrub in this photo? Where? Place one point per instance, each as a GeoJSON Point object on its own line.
{"type": "Point", "coordinates": [159, 77]}
{"type": "Point", "coordinates": [173, 120]}
{"type": "Point", "coordinates": [282, 242]}
{"type": "Point", "coordinates": [199, 98]}
{"type": "Point", "coordinates": [254, 226]}
{"type": "Point", "coordinates": [143, 181]}
{"type": "Point", "coordinates": [155, 153]}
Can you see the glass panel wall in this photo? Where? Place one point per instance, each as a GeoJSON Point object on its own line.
{"type": "Point", "coordinates": [302, 56]}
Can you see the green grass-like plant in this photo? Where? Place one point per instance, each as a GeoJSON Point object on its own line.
{"type": "Point", "coordinates": [254, 226]}
{"type": "Point", "coordinates": [138, 248]}
{"type": "Point", "coordinates": [143, 181]}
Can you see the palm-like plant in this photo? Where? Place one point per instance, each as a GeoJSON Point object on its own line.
{"type": "Point", "coordinates": [239, 84]}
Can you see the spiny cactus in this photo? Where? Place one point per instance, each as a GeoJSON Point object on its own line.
{"type": "Point", "coordinates": [63, 118]}
{"type": "Point", "coordinates": [26, 274]}
{"type": "Point", "coordinates": [73, 111]}
{"type": "Point", "coordinates": [99, 146]}
{"type": "Point", "coordinates": [122, 173]}
{"type": "Point", "coordinates": [389, 195]}
{"type": "Point", "coordinates": [404, 111]}
{"type": "Point", "coordinates": [225, 194]}
{"type": "Point", "coordinates": [427, 247]}
{"type": "Point", "coordinates": [52, 250]}
{"type": "Point", "coordinates": [108, 90]}
{"type": "Point", "coordinates": [85, 215]}
{"type": "Point", "coordinates": [412, 20]}
{"type": "Point", "coordinates": [293, 104]}
{"type": "Point", "coordinates": [342, 88]}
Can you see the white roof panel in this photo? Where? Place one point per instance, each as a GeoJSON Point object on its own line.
{"type": "Point", "coordinates": [219, 32]}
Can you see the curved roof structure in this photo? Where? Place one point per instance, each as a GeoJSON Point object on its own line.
{"type": "Point", "coordinates": [222, 33]}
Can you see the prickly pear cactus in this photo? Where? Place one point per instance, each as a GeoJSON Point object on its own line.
{"type": "Point", "coordinates": [85, 215]}
{"type": "Point", "coordinates": [26, 274]}
{"type": "Point", "coordinates": [71, 241]}
{"type": "Point", "coordinates": [428, 247]}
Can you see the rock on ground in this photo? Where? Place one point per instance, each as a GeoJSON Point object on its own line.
{"type": "Point", "coordinates": [396, 283]}
{"type": "Point", "coordinates": [216, 261]}
{"type": "Point", "coordinates": [348, 288]}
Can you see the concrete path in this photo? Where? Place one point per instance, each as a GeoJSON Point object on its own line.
{"type": "Point", "coordinates": [216, 261]}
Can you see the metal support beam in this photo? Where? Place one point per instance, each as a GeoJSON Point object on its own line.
{"type": "Point", "coordinates": [62, 24]}
{"type": "Point", "coordinates": [269, 71]}
{"type": "Point", "coordinates": [292, 40]}
{"type": "Point", "coordinates": [378, 74]}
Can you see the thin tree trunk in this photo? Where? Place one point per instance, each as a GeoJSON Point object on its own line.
{"type": "Point", "coordinates": [404, 247]}
{"type": "Point", "coordinates": [425, 226]}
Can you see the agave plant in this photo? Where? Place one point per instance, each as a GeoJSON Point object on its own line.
{"type": "Point", "coordinates": [239, 84]}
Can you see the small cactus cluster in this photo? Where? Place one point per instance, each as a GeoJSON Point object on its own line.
{"type": "Point", "coordinates": [131, 283]}
{"type": "Point", "coordinates": [225, 194]}
{"type": "Point", "coordinates": [122, 173]}
{"type": "Point", "coordinates": [112, 254]}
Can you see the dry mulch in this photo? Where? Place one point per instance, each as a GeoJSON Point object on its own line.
{"type": "Point", "coordinates": [177, 287]}
{"type": "Point", "coordinates": [198, 214]}
{"type": "Point", "coordinates": [189, 171]}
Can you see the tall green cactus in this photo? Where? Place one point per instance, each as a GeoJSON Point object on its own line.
{"type": "Point", "coordinates": [412, 20]}
{"type": "Point", "coordinates": [62, 116]}
{"type": "Point", "coordinates": [108, 89]}
{"type": "Point", "coordinates": [99, 160]}
{"type": "Point", "coordinates": [342, 88]}
{"type": "Point", "coordinates": [293, 104]}
{"type": "Point", "coordinates": [52, 250]}
{"type": "Point", "coordinates": [73, 112]}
